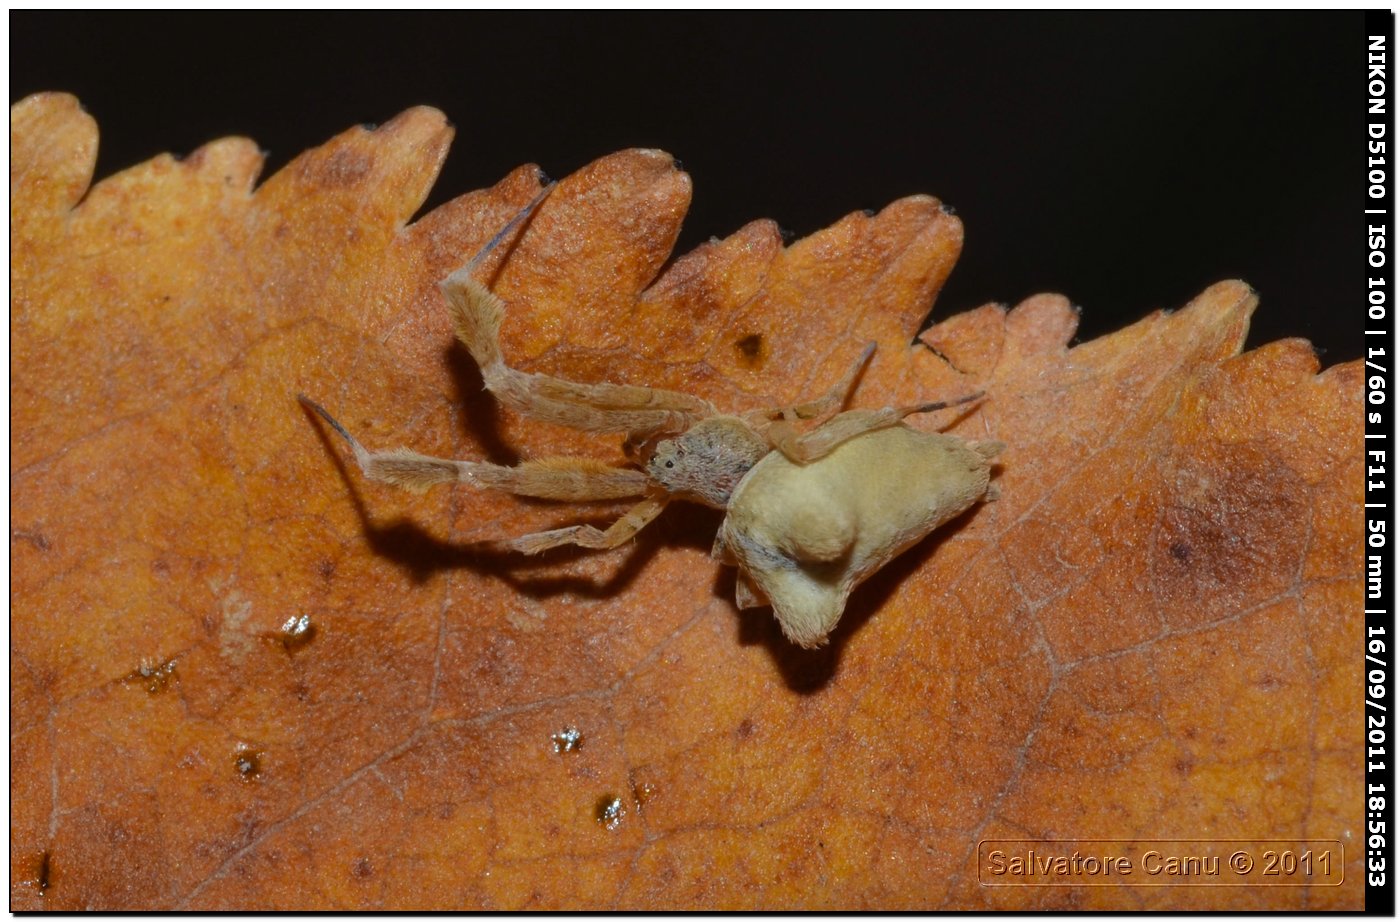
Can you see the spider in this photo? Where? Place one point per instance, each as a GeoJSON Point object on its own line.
{"type": "Point", "coordinates": [811, 509]}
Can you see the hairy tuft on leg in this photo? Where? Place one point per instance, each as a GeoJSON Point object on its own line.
{"type": "Point", "coordinates": [410, 470]}
{"type": "Point", "coordinates": [477, 313]}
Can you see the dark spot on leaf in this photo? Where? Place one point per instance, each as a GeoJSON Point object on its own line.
{"type": "Point", "coordinates": [751, 347]}
{"type": "Point", "coordinates": [248, 763]}
{"type": "Point", "coordinates": [152, 675]}
{"type": "Point", "coordinates": [36, 538]}
{"type": "Point", "coordinates": [745, 729]}
{"type": "Point", "coordinates": [608, 811]}
{"type": "Point", "coordinates": [44, 877]}
{"type": "Point", "coordinates": [642, 791]}
{"type": "Point", "coordinates": [326, 568]}
{"type": "Point", "coordinates": [1233, 529]}
{"type": "Point", "coordinates": [344, 167]}
{"type": "Point", "coordinates": [362, 868]}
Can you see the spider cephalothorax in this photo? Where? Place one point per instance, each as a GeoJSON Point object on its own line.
{"type": "Point", "coordinates": [706, 462]}
{"type": "Point", "coordinates": [811, 511]}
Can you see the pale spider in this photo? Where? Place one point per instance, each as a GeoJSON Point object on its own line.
{"type": "Point", "coordinates": [810, 511]}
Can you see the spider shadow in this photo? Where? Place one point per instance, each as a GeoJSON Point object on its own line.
{"type": "Point", "coordinates": [808, 672]}
{"type": "Point", "coordinates": [481, 411]}
{"type": "Point", "coordinates": [422, 555]}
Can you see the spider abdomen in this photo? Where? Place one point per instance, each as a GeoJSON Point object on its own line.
{"type": "Point", "coordinates": [804, 536]}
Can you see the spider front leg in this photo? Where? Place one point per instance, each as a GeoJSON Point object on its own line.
{"type": "Point", "coordinates": [568, 479]}
{"type": "Point", "coordinates": [477, 313]}
{"type": "Point", "coordinates": [617, 534]}
{"type": "Point", "coordinates": [776, 423]}
{"type": "Point", "coordinates": [804, 448]}
{"type": "Point", "coordinates": [835, 397]}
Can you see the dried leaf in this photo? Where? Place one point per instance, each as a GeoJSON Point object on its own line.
{"type": "Point", "coordinates": [242, 677]}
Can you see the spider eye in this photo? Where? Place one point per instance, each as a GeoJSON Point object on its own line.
{"type": "Point", "coordinates": [670, 464]}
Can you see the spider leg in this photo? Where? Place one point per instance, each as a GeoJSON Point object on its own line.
{"type": "Point", "coordinates": [837, 395]}
{"type": "Point", "coordinates": [827, 403]}
{"type": "Point", "coordinates": [569, 479]}
{"type": "Point", "coordinates": [805, 448]}
{"type": "Point", "coordinates": [615, 535]}
{"type": "Point", "coordinates": [521, 217]}
{"type": "Point", "coordinates": [477, 313]}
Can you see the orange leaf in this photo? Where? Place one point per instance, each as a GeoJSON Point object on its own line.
{"type": "Point", "coordinates": [242, 677]}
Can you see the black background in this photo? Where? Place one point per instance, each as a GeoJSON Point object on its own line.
{"type": "Point", "coordinates": [1127, 160]}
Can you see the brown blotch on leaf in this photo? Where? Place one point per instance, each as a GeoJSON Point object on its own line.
{"type": "Point", "coordinates": [1232, 529]}
{"type": "Point", "coordinates": [247, 761]}
{"type": "Point", "coordinates": [36, 538]}
{"type": "Point", "coordinates": [346, 167]}
{"type": "Point", "coordinates": [362, 868]}
{"type": "Point", "coordinates": [153, 675]}
{"type": "Point", "coordinates": [43, 877]}
{"type": "Point", "coordinates": [752, 348]}
{"type": "Point", "coordinates": [642, 791]}
{"type": "Point", "coordinates": [745, 729]}
{"type": "Point", "coordinates": [608, 811]}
